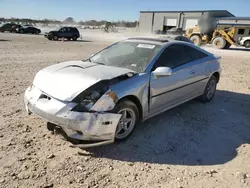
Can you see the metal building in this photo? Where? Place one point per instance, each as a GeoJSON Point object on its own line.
{"type": "Point", "coordinates": [151, 21]}
{"type": "Point", "coordinates": [241, 24]}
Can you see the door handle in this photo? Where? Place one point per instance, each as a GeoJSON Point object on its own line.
{"type": "Point", "coordinates": [192, 72]}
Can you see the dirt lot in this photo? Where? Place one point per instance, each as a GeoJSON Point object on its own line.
{"type": "Point", "coordinates": [192, 146]}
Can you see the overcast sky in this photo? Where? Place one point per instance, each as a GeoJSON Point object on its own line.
{"type": "Point", "coordinates": [111, 9]}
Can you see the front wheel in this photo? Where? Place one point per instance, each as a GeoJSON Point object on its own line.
{"type": "Point", "coordinates": [74, 38]}
{"type": "Point", "coordinates": [219, 43]}
{"type": "Point", "coordinates": [55, 37]}
{"type": "Point", "coordinates": [247, 44]}
{"type": "Point", "coordinates": [128, 121]}
{"type": "Point", "coordinates": [210, 90]}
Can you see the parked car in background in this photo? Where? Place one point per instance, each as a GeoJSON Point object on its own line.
{"type": "Point", "coordinates": [245, 41]}
{"type": "Point", "coordinates": [175, 31]}
{"type": "Point", "coordinates": [101, 99]}
{"type": "Point", "coordinates": [9, 27]}
{"type": "Point", "coordinates": [28, 29]}
{"type": "Point", "coordinates": [64, 32]}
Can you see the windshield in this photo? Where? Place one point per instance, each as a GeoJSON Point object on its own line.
{"type": "Point", "coordinates": [130, 55]}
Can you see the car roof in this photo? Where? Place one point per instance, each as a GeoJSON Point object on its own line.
{"type": "Point", "coordinates": [162, 41]}
{"type": "Point", "coordinates": [158, 41]}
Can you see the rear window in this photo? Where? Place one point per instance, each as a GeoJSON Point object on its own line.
{"type": "Point", "coordinates": [241, 31]}
{"type": "Point", "coordinates": [73, 29]}
{"type": "Point", "coordinates": [194, 53]}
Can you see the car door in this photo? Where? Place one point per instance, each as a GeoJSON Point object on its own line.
{"type": "Point", "coordinates": [8, 27]}
{"type": "Point", "coordinates": [61, 32]}
{"type": "Point", "coordinates": [200, 61]}
{"type": "Point", "coordinates": [168, 91]}
{"type": "Point", "coordinates": [67, 33]}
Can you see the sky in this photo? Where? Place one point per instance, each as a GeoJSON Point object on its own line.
{"type": "Point", "coordinates": [112, 10]}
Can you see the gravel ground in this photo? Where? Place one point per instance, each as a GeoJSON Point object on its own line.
{"type": "Point", "coordinates": [192, 146]}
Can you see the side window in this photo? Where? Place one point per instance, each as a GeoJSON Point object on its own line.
{"type": "Point", "coordinates": [173, 56]}
{"type": "Point", "coordinates": [63, 29]}
{"type": "Point", "coordinates": [194, 54]}
{"type": "Point", "coordinates": [241, 31]}
{"type": "Point", "coordinates": [7, 25]}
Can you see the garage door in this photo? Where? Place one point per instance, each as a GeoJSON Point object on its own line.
{"type": "Point", "coordinates": [188, 23]}
{"type": "Point", "coordinates": [170, 22]}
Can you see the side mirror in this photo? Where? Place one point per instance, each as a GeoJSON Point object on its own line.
{"type": "Point", "coordinates": [162, 71]}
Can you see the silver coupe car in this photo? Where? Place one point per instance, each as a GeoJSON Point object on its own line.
{"type": "Point", "coordinates": [101, 99]}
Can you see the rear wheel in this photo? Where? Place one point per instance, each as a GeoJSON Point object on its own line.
{"type": "Point", "coordinates": [228, 45]}
{"type": "Point", "coordinates": [37, 32]}
{"type": "Point", "coordinates": [247, 44]}
{"type": "Point", "coordinates": [128, 121]}
{"type": "Point", "coordinates": [210, 90]}
{"type": "Point", "coordinates": [74, 38]}
{"type": "Point", "coordinates": [219, 43]}
{"type": "Point", "coordinates": [196, 39]}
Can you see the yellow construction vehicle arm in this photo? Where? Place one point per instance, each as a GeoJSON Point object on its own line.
{"type": "Point", "coordinates": [226, 36]}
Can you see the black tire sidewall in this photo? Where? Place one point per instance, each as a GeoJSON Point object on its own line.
{"type": "Point", "coordinates": [127, 104]}
{"type": "Point", "coordinates": [204, 96]}
{"type": "Point", "coordinates": [55, 37]}
{"type": "Point", "coordinates": [247, 44]}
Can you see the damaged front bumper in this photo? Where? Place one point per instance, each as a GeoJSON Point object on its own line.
{"type": "Point", "coordinates": [96, 126]}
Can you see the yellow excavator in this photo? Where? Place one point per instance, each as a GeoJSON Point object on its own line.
{"type": "Point", "coordinates": [221, 38]}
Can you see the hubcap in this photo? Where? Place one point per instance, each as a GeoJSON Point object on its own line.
{"type": "Point", "coordinates": [218, 43]}
{"type": "Point", "coordinates": [126, 123]}
{"type": "Point", "coordinates": [211, 89]}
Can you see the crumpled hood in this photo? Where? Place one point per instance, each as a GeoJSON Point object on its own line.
{"type": "Point", "coordinates": [64, 81]}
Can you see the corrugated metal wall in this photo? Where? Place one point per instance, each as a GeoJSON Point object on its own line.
{"type": "Point", "coordinates": [150, 22]}
{"type": "Point", "coordinates": [159, 19]}
{"type": "Point", "coordinates": [145, 23]}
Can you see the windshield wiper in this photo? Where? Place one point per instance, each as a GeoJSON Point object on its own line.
{"type": "Point", "coordinates": [99, 63]}
{"type": "Point", "coordinates": [89, 60]}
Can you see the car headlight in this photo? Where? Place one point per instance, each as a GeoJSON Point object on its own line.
{"type": "Point", "coordinates": [87, 103]}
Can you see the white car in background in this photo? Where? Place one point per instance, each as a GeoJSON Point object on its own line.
{"type": "Point", "coordinates": [245, 41]}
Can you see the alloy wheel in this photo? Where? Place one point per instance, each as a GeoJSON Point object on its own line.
{"type": "Point", "coordinates": [126, 123]}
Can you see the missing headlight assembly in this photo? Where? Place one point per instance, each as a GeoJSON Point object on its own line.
{"type": "Point", "coordinates": [98, 97]}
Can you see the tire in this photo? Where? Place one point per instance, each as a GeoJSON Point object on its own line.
{"type": "Point", "coordinates": [210, 90]}
{"type": "Point", "coordinates": [196, 39]}
{"type": "Point", "coordinates": [37, 32]}
{"type": "Point", "coordinates": [74, 38]}
{"type": "Point", "coordinates": [228, 45]}
{"type": "Point", "coordinates": [55, 37]}
{"type": "Point", "coordinates": [219, 43]}
{"type": "Point", "coordinates": [51, 126]}
{"type": "Point", "coordinates": [247, 44]}
{"type": "Point", "coordinates": [132, 118]}
{"type": "Point", "coordinates": [21, 31]}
